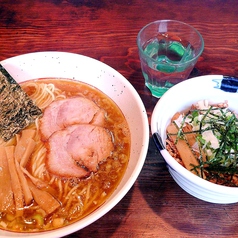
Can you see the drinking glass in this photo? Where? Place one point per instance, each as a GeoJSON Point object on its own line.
{"type": "Point", "coordinates": [168, 51]}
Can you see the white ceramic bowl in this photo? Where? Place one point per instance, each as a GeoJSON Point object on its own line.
{"type": "Point", "coordinates": [108, 80]}
{"type": "Point", "coordinates": [178, 98]}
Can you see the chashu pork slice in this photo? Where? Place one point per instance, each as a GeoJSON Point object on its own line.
{"type": "Point", "coordinates": [62, 113]}
{"type": "Point", "coordinates": [77, 150]}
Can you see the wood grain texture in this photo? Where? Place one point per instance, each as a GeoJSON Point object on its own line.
{"type": "Point", "coordinates": [106, 30]}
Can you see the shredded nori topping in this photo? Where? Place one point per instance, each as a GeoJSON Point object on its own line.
{"type": "Point", "coordinates": [17, 110]}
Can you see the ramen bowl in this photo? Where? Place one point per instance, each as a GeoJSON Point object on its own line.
{"type": "Point", "coordinates": [113, 84]}
{"type": "Point", "coordinates": [177, 99]}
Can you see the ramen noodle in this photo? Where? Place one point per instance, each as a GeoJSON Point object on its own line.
{"type": "Point", "coordinates": [44, 197]}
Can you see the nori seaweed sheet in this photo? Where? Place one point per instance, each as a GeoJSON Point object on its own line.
{"type": "Point", "coordinates": [17, 110]}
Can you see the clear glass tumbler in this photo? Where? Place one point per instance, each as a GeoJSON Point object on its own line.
{"type": "Point", "coordinates": [168, 51]}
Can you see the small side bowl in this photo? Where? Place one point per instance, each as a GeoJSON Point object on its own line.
{"type": "Point", "coordinates": [179, 98]}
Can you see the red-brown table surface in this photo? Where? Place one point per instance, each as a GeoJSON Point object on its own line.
{"type": "Point", "coordinates": [106, 30]}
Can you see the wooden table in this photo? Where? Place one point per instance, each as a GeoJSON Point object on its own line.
{"type": "Point", "coordinates": [106, 30]}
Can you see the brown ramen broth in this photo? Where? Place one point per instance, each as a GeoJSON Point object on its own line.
{"type": "Point", "coordinates": [77, 196]}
